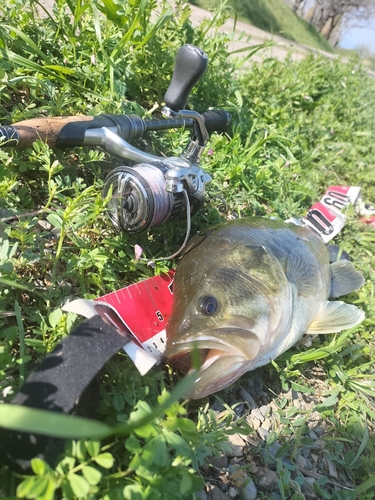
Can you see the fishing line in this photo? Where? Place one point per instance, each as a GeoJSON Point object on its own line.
{"type": "Point", "coordinates": [188, 228]}
{"type": "Point", "coordinates": [156, 182]}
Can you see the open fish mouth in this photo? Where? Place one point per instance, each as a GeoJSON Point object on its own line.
{"type": "Point", "coordinates": [184, 360]}
{"type": "Point", "coordinates": [208, 349]}
{"type": "Point", "coordinates": [221, 362]}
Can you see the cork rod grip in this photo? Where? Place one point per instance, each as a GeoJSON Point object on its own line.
{"type": "Point", "coordinates": [46, 129]}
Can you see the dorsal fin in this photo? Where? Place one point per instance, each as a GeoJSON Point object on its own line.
{"type": "Point", "coordinates": [196, 240]}
{"type": "Point", "coordinates": [344, 278]}
{"type": "Point", "coordinates": [334, 317]}
{"type": "Point", "coordinates": [337, 253]}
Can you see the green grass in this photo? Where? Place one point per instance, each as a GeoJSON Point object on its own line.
{"type": "Point", "coordinates": [367, 57]}
{"type": "Point", "coordinates": [346, 52]}
{"type": "Point", "coordinates": [298, 127]}
{"type": "Point", "coordinates": [273, 16]}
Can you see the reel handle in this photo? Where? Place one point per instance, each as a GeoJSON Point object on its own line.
{"type": "Point", "coordinates": [190, 65]}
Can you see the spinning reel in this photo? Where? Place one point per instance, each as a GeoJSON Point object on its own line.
{"type": "Point", "coordinates": [156, 190]}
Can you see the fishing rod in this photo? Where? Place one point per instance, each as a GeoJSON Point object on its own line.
{"type": "Point", "coordinates": [149, 190]}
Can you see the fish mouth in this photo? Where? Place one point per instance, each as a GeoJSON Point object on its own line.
{"type": "Point", "coordinates": [221, 362]}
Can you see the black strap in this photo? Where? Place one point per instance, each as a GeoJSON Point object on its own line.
{"type": "Point", "coordinates": [56, 385]}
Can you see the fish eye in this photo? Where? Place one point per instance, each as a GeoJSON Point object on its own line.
{"type": "Point", "coordinates": [208, 305]}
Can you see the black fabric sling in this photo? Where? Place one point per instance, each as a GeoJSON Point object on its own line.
{"type": "Point", "coordinates": [64, 376]}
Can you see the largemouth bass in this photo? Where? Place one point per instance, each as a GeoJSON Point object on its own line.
{"type": "Point", "coordinates": [247, 291]}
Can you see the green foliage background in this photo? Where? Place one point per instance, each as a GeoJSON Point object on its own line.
{"type": "Point", "coordinates": [297, 128]}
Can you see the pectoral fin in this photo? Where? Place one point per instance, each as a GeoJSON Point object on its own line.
{"type": "Point", "coordinates": [344, 278]}
{"type": "Point", "coordinates": [301, 269]}
{"type": "Point", "coordinates": [334, 317]}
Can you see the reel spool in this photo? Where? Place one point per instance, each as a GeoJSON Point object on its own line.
{"type": "Point", "coordinates": [140, 199]}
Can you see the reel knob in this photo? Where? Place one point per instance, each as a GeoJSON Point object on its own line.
{"type": "Point", "coordinates": [190, 65]}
